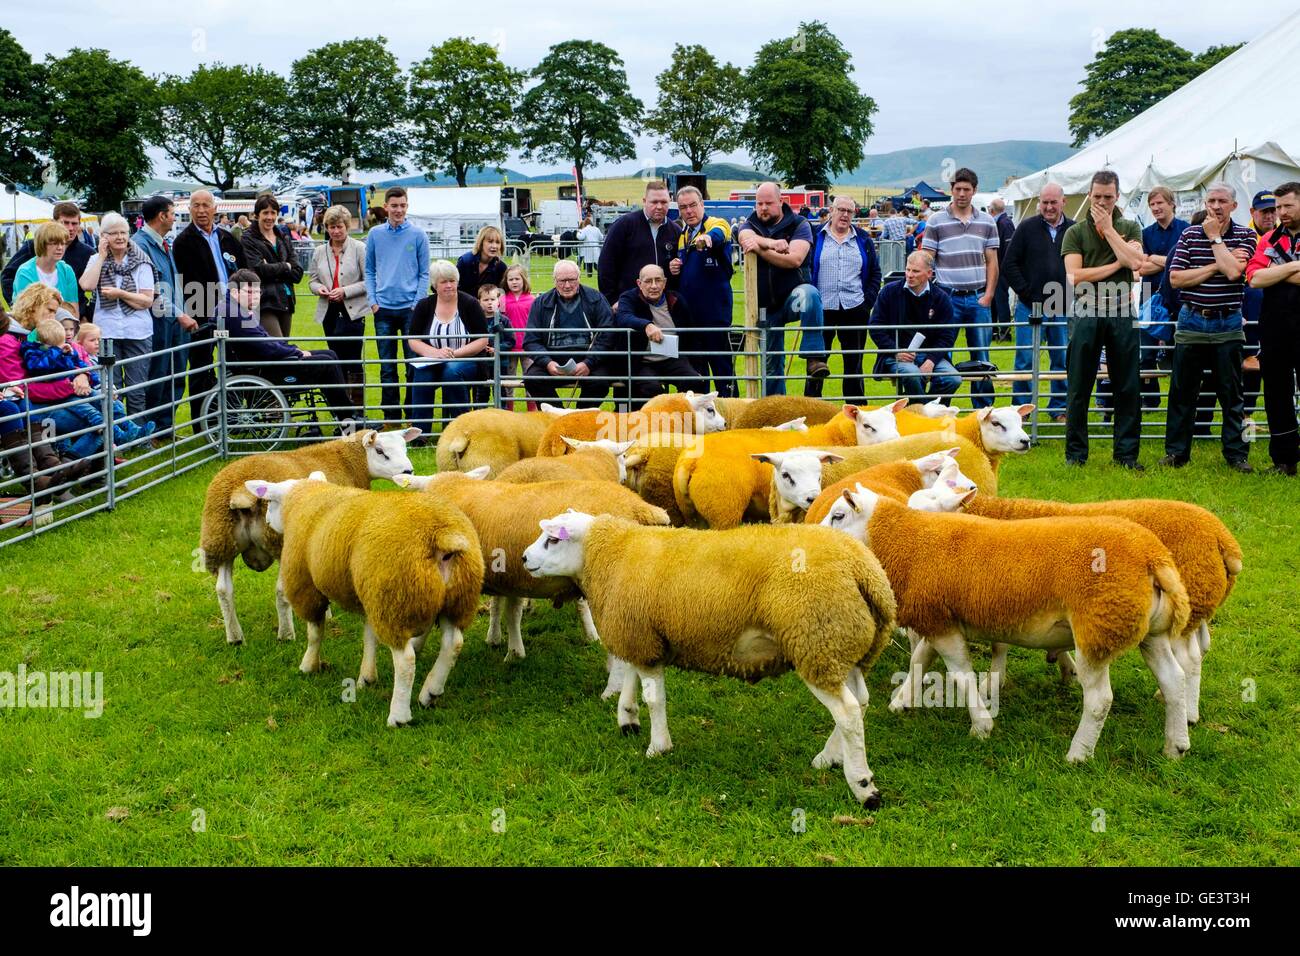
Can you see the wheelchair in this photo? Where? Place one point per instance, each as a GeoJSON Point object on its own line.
{"type": "Point", "coordinates": [262, 414]}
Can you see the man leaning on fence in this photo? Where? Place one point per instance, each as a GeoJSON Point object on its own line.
{"type": "Point", "coordinates": [913, 326]}
{"type": "Point", "coordinates": [846, 271]}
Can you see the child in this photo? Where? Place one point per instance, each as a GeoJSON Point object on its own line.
{"type": "Point", "coordinates": [516, 303]}
{"type": "Point", "coordinates": [489, 300]}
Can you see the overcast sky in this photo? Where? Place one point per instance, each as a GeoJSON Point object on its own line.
{"type": "Point", "coordinates": [941, 72]}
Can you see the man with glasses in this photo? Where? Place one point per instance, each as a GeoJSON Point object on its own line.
{"type": "Point", "coordinates": [846, 271]}
{"type": "Point", "coordinates": [566, 334]}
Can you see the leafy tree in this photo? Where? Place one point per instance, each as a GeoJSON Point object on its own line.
{"type": "Point", "coordinates": [346, 101]}
{"type": "Point", "coordinates": [580, 108]}
{"type": "Point", "coordinates": [101, 111]}
{"type": "Point", "coordinates": [699, 105]}
{"type": "Point", "coordinates": [23, 133]}
{"type": "Point", "coordinates": [223, 123]}
{"type": "Point", "coordinates": [1214, 54]}
{"type": "Point", "coordinates": [461, 96]}
{"type": "Point", "coordinates": [807, 119]}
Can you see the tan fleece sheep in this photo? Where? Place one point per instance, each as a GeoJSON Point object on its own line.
{"type": "Point", "coordinates": [681, 413]}
{"type": "Point", "coordinates": [775, 409]}
{"type": "Point", "coordinates": [234, 522]}
{"type": "Point", "coordinates": [405, 562]}
{"type": "Point", "coordinates": [974, 464]}
{"type": "Point", "coordinates": [1101, 584]}
{"type": "Point", "coordinates": [894, 479]}
{"type": "Point", "coordinates": [749, 603]}
{"type": "Point", "coordinates": [994, 431]}
{"type": "Point", "coordinates": [650, 466]}
{"type": "Point", "coordinates": [728, 408]}
{"type": "Point", "coordinates": [589, 461]}
{"type": "Point", "coordinates": [494, 437]}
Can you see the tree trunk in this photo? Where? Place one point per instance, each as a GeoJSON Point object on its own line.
{"type": "Point", "coordinates": [460, 176]}
{"type": "Point", "coordinates": [582, 192]}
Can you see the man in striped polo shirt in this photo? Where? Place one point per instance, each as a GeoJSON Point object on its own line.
{"type": "Point", "coordinates": [1208, 268]}
{"type": "Point", "coordinates": [964, 243]}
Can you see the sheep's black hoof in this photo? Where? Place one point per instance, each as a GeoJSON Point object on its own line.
{"type": "Point", "coordinates": [873, 801]}
{"type": "Point", "coordinates": [630, 729]}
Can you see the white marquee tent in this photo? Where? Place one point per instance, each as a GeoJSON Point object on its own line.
{"type": "Point", "coordinates": [1235, 122]}
{"type": "Point", "coordinates": [454, 216]}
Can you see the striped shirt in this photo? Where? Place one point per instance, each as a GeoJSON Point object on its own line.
{"type": "Point", "coordinates": [1194, 250]}
{"type": "Point", "coordinates": [958, 248]}
{"type": "Point", "coordinates": [447, 335]}
{"type": "Point", "coordinates": [839, 272]}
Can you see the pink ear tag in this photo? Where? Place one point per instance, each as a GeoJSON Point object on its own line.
{"type": "Point", "coordinates": [261, 491]}
{"type": "Point", "coordinates": [562, 533]}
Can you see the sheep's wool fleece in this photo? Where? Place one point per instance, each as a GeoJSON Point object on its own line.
{"type": "Point", "coordinates": [974, 464]}
{"type": "Point", "coordinates": [494, 437]}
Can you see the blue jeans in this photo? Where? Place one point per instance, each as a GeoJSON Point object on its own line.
{"type": "Point", "coordinates": [455, 396]}
{"type": "Point", "coordinates": [162, 398]}
{"type": "Point", "coordinates": [17, 409]}
{"type": "Point", "coordinates": [1055, 338]}
{"type": "Point", "coordinates": [71, 419]}
{"type": "Point", "coordinates": [978, 322]}
{"type": "Point", "coordinates": [803, 305]}
{"type": "Point", "coordinates": [393, 322]}
{"type": "Point", "coordinates": [944, 379]}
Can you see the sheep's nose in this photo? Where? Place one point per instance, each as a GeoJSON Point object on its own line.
{"type": "Point", "coordinates": [810, 499]}
{"type": "Point", "coordinates": [408, 471]}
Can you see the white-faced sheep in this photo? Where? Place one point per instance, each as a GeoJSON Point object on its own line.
{"type": "Point", "coordinates": [774, 409]}
{"type": "Point", "coordinates": [973, 462]}
{"type": "Point", "coordinates": [681, 413]}
{"type": "Point", "coordinates": [995, 431]}
{"type": "Point", "coordinates": [234, 522]}
{"type": "Point", "coordinates": [894, 479]}
{"type": "Point", "coordinates": [750, 603]}
{"type": "Point", "coordinates": [602, 460]}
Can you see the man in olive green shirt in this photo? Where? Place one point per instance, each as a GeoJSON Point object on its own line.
{"type": "Point", "coordinates": [1102, 251]}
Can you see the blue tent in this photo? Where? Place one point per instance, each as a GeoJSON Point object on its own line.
{"type": "Point", "coordinates": [922, 190]}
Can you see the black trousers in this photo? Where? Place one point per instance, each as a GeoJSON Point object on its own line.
{"type": "Point", "coordinates": [318, 369]}
{"type": "Point", "coordinates": [852, 341]}
{"type": "Point", "coordinates": [542, 386]}
{"type": "Point", "coordinates": [203, 376]}
{"type": "Point", "coordinates": [654, 378]}
{"type": "Point", "coordinates": [1279, 362]}
{"type": "Point", "coordinates": [1190, 362]}
{"type": "Point", "coordinates": [337, 323]}
{"type": "Point", "coordinates": [1088, 336]}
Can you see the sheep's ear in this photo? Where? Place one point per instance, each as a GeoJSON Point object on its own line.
{"type": "Point", "coordinates": [368, 438]}
{"type": "Point", "coordinates": [848, 496]}
{"type": "Point", "coordinates": [403, 481]}
{"type": "Point", "coordinates": [573, 443]}
{"type": "Point", "coordinates": [317, 476]}
{"type": "Point", "coordinates": [966, 498]}
{"type": "Point", "coordinates": [1024, 411]}
{"type": "Point", "coordinates": [851, 411]}
{"type": "Point", "coordinates": [829, 458]}
{"type": "Point", "coordinates": [984, 413]}
{"type": "Point", "coordinates": [479, 473]}
{"type": "Point", "coordinates": [952, 452]}
{"type": "Point", "coordinates": [411, 434]}
{"type": "Point", "coordinates": [767, 459]}
{"type": "Point", "coordinates": [259, 489]}
{"type": "Point", "coordinates": [898, 406]}
{"type": "Point", "coordinates": [620, 448]}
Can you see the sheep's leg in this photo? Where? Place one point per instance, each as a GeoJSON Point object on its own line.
{"type": "Point", "coordinates": [831, 755]}
{"type": "Point", "coordinates": [1173, 685]}
{"type": "Point", "coordinates": [1097, 697]}
{"type": "Point", "coordinates": [369, 672]}
{"type": "Point", "coordinates": [399, 709]}
{"type": "Point", "coordinates": [1203, 635]}
{"type": "Point", "coordinates": [1187, 652]}
{"type": "Point", "coordinates": [847, 714]}
{"type": "Point", "coordinates": [652, 689]}
{"type": "Point", "coordinates": [1065, 663]}
{"type": "Point", "coordinates": [311, 658]}
{"type": "Point", "coordinates": [514, 612]}
{"type": "Point", "coordinates": [998, 664]}
{"type": "Point", "coordinates": [436, 682]}
{"type": "Point", "coordinates": [283, 612]}
{"type": "Point", "coordinates": [588, 623]}
{"type": "Point", "coordinates": [956, 655]}
{"type": "Point", "coordinates": [913, 639]}
{"type": "Point", "coordinates": [909, 691]}
{"type": "Point", "coordinates": [619, 674]}
{"type": "Point", "coordinates": [858, 684]}
{"type": "Point", "coordinates": [226, 599]}
{"type": "Point", "coordinates": [629, 712]}
{"type": "Point", "coordinates": [493, 638]}
{"type": "Point", "coordinates": [418, 642]}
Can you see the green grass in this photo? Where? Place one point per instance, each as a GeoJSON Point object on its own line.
{"type": "Point", "coordinates": [285, 771]}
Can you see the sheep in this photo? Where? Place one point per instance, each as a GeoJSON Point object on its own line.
{"type": "Point", "coordinates": [973, 462]}
{"type": "Point", "coordinates": [795, 483]}
{"type": "Point", "coordinates": [504, 514]}
{"type": "Point", "coordinates": [774, 409]}
{"type": "Point", "coordinates": [933, 409]}
{"type": "Point", "coordinates": [234, 522]}
{"type": "Point", "coordinates": [728, 408]}
{"type": "Point", "coordinates": [750, 603]}
{"type": "Point", "coordinates": [602, 460]}
{"type": "Point", "coordinates": [725, 484]}
{"type": "Point", "coordinates": [650, 466]}
{"type": "Point", "coordinates": [1103, 584]}
{"type": "Point", "coordinates": [404, 562]}
{"type": "Point", "coordinates": [951, 492]}
{"type": "Point", "coordinates": [681, 413]}
{"type": "Point", "coordinates": [995, 431]}
{"type": "Point", "coordinates": [495, 437]}
{"type": "Point", "coordinates": [896, 479]}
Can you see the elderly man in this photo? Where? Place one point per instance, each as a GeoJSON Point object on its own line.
{"type": "Point", "coordinates": [76, 254]}
{"type": "Point", "coordinates": [913, 326]}
{"type": "Point", "coordinates": [1036, 273]}
{"type": "Point", "coordinates": [703, 269]}
{"type": "Point", "coordinates": [644, 236]}
{"type": "Point", "coordinates": [846, 271]}
{"type": "Point", "coordinates": [1001, 311]}
{"type": "Point", "coordinates": [1208, 268]}
{"type": "Point", "coordinates": [568, 330]}
{"type": "Point", "coordinates": [1159, 299]}
{"type": "Point", "coordinates": [660, 316]}
{"type": "Point", "coordinates": [782, 240]}
{"type": "Point", "coordinates": [1101, 252]}
{"type": "Point", "coordinates": [205, 258]}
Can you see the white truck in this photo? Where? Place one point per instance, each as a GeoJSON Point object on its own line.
{"type": "Point", "coordinates": [557, 215]}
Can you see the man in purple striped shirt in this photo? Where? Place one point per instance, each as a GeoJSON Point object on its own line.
{"type": "Point", "coordinates": [1208, 268]}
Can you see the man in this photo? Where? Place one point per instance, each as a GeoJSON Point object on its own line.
{"type": "Point", "coordinates": [1263, 219]}
{"type": "Point", "coordinates": [1101, 252]}
{"type": "Point", "coordinates": [1159, 299]}
{"type": "Point", "coordinates": [76, 254]}
{"type": "Point", "coordinates": [564, 339]}
{"type": "Point", "coordinates": [1275, 268]}
{"type": "Point", "coordinates": [171, 326]}
{"type": "Point", "coordinates": [895, 227]}
{"type": "Point", "coordinates": [205, 258]}
{"type": "Point", "coordinates": [1263, 212]}
{"type": "Point", "coordinates": [1208, 268]}
{"type": "Point", "coordinates": [964, 243]}
{"type": "Point", "coordinates": [903, 326]}
{"type": "Point", "coordinates": [1036, 273]}
{"type": "Point", "coordinates": [1001, 311]}
{"type": "Point", "coordinates": [641, 237]}
{"type": "Point", "coordinates": [657, 314]}
{"type": "Point", "coordinates": [397, 277]}
{"type": "Point", "coordinates": [782, 241]}
{"type": "Point", "coordinates": [846, 272]}
{"type": "Point", "coordinates": [703, 269]}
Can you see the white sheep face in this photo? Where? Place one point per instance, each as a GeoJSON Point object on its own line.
{"type": "Point", "coordinates": [616, 448]}
{"type": "Point", "coordinates": [931, 466]}
{"type": "Point", "coordinates": [707, 417]}
{"type": "Point", "coordinates": [386, 452]}
{"type": "Point", "coordinates": [852, 512]}
{"type": "Point", "coordinates": [934, 409]}
{"type": "Point", "coordinates": [944, 498]}
{"type": "Point", "coordinates": [875, 426]}
{"type": "Point", "coordinates": [1002, 429]}
{"type": "Point", "coordinates": [274, 494]}
{"type": "Point", "coordinates": [951, 475]}
{"type": "Point", "coordinates": [558, 551]}
{"type": "Point", "coordinates": [797, 476]}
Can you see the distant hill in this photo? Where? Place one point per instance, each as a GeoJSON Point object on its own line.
{"type": "Point", "coordinates": [992, 162]}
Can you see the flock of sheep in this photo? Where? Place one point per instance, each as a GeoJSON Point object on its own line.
{"type": "Point", "coordinates": [730, 536]}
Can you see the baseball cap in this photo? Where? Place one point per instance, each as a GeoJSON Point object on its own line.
{"type": "Point", "coordinates": [1264, 200]}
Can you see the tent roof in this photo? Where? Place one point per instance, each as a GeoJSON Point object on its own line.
{"type": "Point", "coordinates": [23, 207]}
{"type": "Point", "coordinates": [924, 190]}
{"type": "Point", "coordinates": [1189, 135]}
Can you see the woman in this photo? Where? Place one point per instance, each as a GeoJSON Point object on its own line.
{"type": "Point", "coordinates": [48, 268]}
{"type": "Point", "coordinates": [447, 329]}
{"type": "Point", "coordinates": [482, 265]}
{"type": "Point", "coordinates": [589, 252]}
{"type": "Point", "coordinates": [270, 255]}
{"type": "Point", "coordinates": [338, 278]}
{"type": "Point", "coordinates": [121, 277]}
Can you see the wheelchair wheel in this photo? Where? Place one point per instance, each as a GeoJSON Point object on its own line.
{"type": "Point", "coordinates": [257, 415]}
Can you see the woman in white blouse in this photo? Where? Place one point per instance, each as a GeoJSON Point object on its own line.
{"type": "Point", "coordinates": [121, 278]}
{"type": "Point", "coordinates": [449, 337]}
{"type": "Point", "coordinates": [338, 278]}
